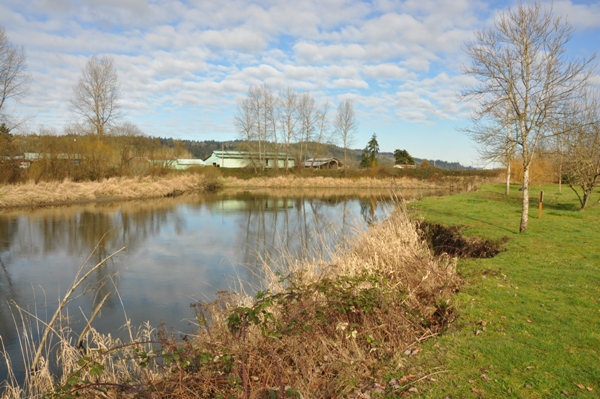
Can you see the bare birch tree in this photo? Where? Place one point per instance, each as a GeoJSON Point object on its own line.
{"type": "Point", "coordinates": [245, 122]}
{"type": "Point", "coordinates": [520, 63]}
{"type": "Point", "coordinates": [256, 121]}
{"type": "Point", "coordinates": [496, 140]}
{"type": "Point", "coordinates": [14, 80]}
{"type": "Point", "coordinates": [345, 126]}
{"type": "Point", "coordinates": [581, 161]}
{"type": "Point", "coordinates": [96, 95]}
{"type": "Point", "coordinates": [307, 118]}
{"type": "Point", "coordinates": [557, 145]}
{"type": "Point", "coordinates": [287, 116]}
{"type": "Point", "coordinates": [321, 135]}
{"type": "Point", "coordinates": [270, 106]}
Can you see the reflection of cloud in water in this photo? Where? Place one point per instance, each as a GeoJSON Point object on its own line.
{"type": "Point", "coordinates": [178, 250]}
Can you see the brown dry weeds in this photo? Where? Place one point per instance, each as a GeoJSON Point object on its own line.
{"type": "Point", "coordinates": [291, 181]}
{"type": "Point", "coordinates": [329, 326]}
{"type": "Point", "coordinates": [33, 194]}
{"type": "Point", "coordinates": [118, 188]}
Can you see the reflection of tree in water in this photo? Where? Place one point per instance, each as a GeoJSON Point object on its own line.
{"type": "Point", "coordinates": [93, 234]}
{"type": "Point", "coordinates": [367, 210]}
{"type": "Point", "coordinates": [8, 230]}
{"type": "Point", "coordinates": [291, 229]}
{"type": "Point", "coordinates": [7, 292]}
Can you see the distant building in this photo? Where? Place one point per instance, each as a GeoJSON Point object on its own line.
{"type": "Point", "coordinates": [34, 156]}
{"type": "Point", "coordinates": [175, 163]}
{"type": "Point", "coordinates": [159, 162]}
{"type": "Point", "coordinates": [171, 163]}
{"type": "Point", "coordinates": [182, 164]}
{"type": "Point", "coordinates": [399, 166]}
{"type": "Point", "coordinates": [323, 163]}
{"type": "Point", "coordinates": [246, 159]}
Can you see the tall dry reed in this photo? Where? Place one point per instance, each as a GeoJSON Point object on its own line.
{"type": "Point", "coordinates": [291, 181]}
{"type": "Point", "coordinates": [116, 188]}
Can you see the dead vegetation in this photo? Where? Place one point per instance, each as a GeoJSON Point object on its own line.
{"type": "Point", "coordinates": [467, 183]}
{"type": "Point", "coordinates": [116, 188]}
{"type": "Point", "coordinates": [316, 330]}
{"type": "Point", "coordinates": [35, 194]}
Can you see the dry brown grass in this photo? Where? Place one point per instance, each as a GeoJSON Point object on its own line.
{"type": "Point", "coordinates": [540, 172]}
{"type": "Point", "coordinates": [73, 362]}
{"type": "Point", "coordinates": [333, 324]}
{"type": "Point", "coordinates": [291, 181]}
{"type": "Point", "coordinates": [318, 329]}
{"type": "Point", "coordinates": [118, 188]}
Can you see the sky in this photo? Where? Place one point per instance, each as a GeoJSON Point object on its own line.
{"type": "Point", "coordinates": [184, 65]}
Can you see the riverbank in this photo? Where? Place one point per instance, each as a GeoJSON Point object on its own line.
{"type": "Point", "coordinates": [113, 189]}
{"type": "Point", "coordinates": [448, 183]}
{"type": "Point", "coordinates": [122, 188]}
{"type": "Point", "coordinates": [529, 317]}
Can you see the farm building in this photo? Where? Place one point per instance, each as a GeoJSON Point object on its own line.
{"type": "Point", "coordinates": [323, 163]}
{"type": "Point", "coordinates": [183, 164]}
{"type": "Point", "coordinates": [175, 163]}
{"type": "Point", "coordinates": [245, 159]}
{"type": "Point", "coordinates": [34, 156]}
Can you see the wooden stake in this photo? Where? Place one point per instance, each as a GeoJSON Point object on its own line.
{"type": "Point", "coordinates": [541, 205]}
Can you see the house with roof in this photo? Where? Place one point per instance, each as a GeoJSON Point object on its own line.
{"type": "Point", "coordinates": [323, 163]}
{"type": "Point", "coordinates": [247, 159]}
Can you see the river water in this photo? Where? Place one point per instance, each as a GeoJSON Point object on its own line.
{"type": "Point", "coordinates": [177, 251]}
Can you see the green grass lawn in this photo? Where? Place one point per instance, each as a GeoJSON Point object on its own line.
{"type": "Point", "coordinates": [528, 321]}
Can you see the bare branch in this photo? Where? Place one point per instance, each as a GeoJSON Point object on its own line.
{"type": "Point", "coordinates": [96, 96]}
{"type": "Point", "coordinates": [345, 126]}
{"type": "Point", "coordinates": [14, 80]}
{"type": "Point", "coordinates": [524, 78]}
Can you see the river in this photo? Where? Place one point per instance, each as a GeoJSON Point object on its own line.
{"type": "Point", "coordinates": [177, 251]}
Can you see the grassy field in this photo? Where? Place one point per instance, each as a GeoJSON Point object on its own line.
{"type": "Point", "coordinates": [529, 318]}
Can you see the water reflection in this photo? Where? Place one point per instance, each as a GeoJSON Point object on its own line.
{"type": "Point", "coordinates": [178, 250]}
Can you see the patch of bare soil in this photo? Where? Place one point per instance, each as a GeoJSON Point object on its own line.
{"type": "Point", "coordinates": [451, 240]}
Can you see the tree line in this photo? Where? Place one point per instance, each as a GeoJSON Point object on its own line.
{"type": "Point", "coordinates": [124, 150]}
{"type": "Point", "coordinates": [292, 122]}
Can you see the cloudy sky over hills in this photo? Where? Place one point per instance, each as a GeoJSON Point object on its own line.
{"type": "Point", "coordinates": [184, 65]}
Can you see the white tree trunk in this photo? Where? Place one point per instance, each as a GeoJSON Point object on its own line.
{"type": "Point", "coordinates": [560, 177]}
{"type": "Point", "coordinates": [525, 210]}
{"type": "Point", "coordinates": [508, 178]}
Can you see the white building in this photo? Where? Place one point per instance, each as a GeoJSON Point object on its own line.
{"type": "Point", "coordinates": [246, 159]}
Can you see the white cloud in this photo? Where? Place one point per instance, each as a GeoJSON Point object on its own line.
{"type": "Point", "coordinates": [350, 84]}
{"type": "Point", "coordinates": [581, 16]}
{"type": "Point", "coordinates": [387, 72]}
